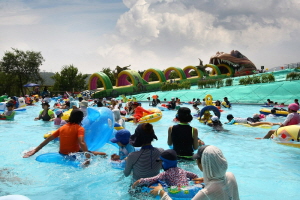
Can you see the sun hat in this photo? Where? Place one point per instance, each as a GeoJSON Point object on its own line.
{"type": "Point", "coordinates": [215, 118]}
{"type": "Point", "coordinates": [199, 153]}
{"type": "Point", "coordinates": [58, 112]}
{"type": "Point", "coordinates": [121, 136]}
{"type": "Point", "coordinates": [45, 104]}
{"type": "Point", "coordinates": [294, 106]}
{"type": "Point", "coordinates": [184, 114]}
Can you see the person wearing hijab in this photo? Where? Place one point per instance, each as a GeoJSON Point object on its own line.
{"type": "Point", "coordinates": [118, 118]}
{"type": "Point", "coordinates": [219, 184]}
{"type": "Point", "coordinates": [143, 163]}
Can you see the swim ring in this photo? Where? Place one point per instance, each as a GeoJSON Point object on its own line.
{"type": "Point", "coordinates": [288, 135]}
{"type": "Point", "coordinates": [156, 116]}
{"type": "Point", "coordinates": [66, 114]}
{"type": "Point", "coordinates": [180, 193]}
{"type": "Point", "coordinates": [225, 104]}
{"type": "Point", "coordinates": [278, 112]}
{"type": "Point", "coordinates": [208, 100]}
{"type": "Point", "coordinates": [74, 160]}
{"type": "Point", "coordinates": [215, 110]}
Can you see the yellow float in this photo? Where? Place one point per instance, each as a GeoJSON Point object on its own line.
{"type": "Point", "coordinates": [208, 100]}
{"type": "Point", "coordinates": [156, 116]}
{"type": "Point", "coordinates": [278, 112]}
{"type": "Point", "coordinates": [206, 117]}
{"type": "Point", "coordinates": [288, 135]}
{"type": "Point", "coordinates": [66, 115]}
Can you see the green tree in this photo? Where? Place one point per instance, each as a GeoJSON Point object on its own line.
{"type": "Point", "coordinates": [21, 67]}
{"type": "Point", "coordinates": [110, 75]}
{"type": "Point", "coordinates": [69, 79]}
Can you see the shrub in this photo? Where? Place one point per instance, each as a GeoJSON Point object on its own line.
{"type": "Point", "coordinates": [256, 79]}
{"type": "Point", "coordinates": [228, 82]}
{"type": "Point", "coordinates": [293, 76]}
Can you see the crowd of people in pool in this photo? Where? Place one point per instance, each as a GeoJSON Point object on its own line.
{"type": "Point", "coordinates": [145, 164]}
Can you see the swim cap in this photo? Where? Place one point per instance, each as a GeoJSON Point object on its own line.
{"type": "Point", "coordinates": [214, 118]}
{"type": "Point", "coordinates": [294, 106]}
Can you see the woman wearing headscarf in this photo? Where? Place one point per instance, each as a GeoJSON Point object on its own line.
{"type": "Point", "coordinates": [118, 118]}
{"type": "Point", "coordinates": [143, 163]}
{"type": "Point", "coordinates": [219, 184]}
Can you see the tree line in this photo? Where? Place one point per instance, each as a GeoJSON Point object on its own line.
{"type": "Point", "coordinates": [18, 68]}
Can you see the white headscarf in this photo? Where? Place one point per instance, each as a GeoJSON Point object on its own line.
{"type": "Point", "coordinates": [219, 184]}
{"type": "Point", "coordinates": [118, 118]}
{"type": "Point", "coordinates": [214, 164]}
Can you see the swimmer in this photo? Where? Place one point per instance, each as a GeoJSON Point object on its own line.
{"type": "Point", "coordinates": [216, 124]}
{"type": "Point", "coordinates": [46, 114]}
{"type": "Point", "coordinates": [292, 118]}
{"type": "Point", "coordinates": [71, 138]}
{"type": "Point", "coordinates": [10, 113]}
{"type": "Point", "coordinates": [122, 139]}
{"type": "Point", "coordinates": [251, 121]}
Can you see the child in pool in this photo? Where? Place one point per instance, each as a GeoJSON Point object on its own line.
{"type": "Point", "coordinates": [71, 138]}
{"type": "Point", "coordinates": [182, 136]}
{"type": "Point", "coordinates": [58, 120]}
{"type": "Point", "coordinates": [197, 109]}
{"type": "Point", "coordinates": [10, 113]}
{"type": "Point", "coordinates": [122, 139]}
{"type": "Point", "coordinates": [293, 118]}
{"type": "Point", "coordinates": [139, 112]}
{"type": "Point", "coordinates": [216, 124]}
{"type": "Point", "coordinates": [251, 121]}
{"type": "Point", "coordinates": [172, 175]}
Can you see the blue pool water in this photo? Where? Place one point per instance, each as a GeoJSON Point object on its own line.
{"type": "Point", "coordinates": [263, 169]}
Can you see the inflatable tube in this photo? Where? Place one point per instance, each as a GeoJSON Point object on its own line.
{"type": "Point", "coordinates": [225, 104]}
{"type": "Point", "coordinates": [66, 114]}
{"type": "Point", "coordinates": [118, 126]}
{"type": "Point", "coordinates": [152, 117]}
{"type": "Point", "coordinates": [98, 126]}
{"type": "Point", "coordinates": [278, 112]}
{"type": "Point", "coordinates": [162, 108]}
{"type": "Point", "coordinates": [208, 100]}
{"type": "Point", "coordinates": [210, 108]}
{"type": "Point", "coordinates": [20, 109]}
{"type": "Point", "coordinates": [288, 135]}
{"type": "Point", "coordinates": [266, 126]}
{"type": "Point", "coordinates": [70, 160]}
{"type": "Point", "coordinates": [180, 193]}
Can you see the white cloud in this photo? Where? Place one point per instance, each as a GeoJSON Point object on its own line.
{"type": "Point", "coordinates": [176, 33]}
{"type": "Point", "coordinates": [150, 33]}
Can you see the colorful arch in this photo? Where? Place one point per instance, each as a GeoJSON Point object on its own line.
{"type": "Point", "coordinates": [215, 69]}
{"type": "Point", "coordinates": [103, 78]}
{"type": "Point", "coordinates": [177, 70]}
{"type": "Point", "coordinates": [187, 69]}
{"type": "Point", "coordinates": [157, 72]}
{"type": "Point", "coordinates": [229, 68]}
{"type": "Point", "coordinates": [133, 75]}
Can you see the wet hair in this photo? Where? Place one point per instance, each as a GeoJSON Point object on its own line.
{"type": "Point", "coordinates": [144, 134]}
{"type": "Point", "coordinates": [218, 103]}
{"type": "Point", "coordinates": [230, 117]}
{"type": "Point", "coordinates": [80, 99]}
{"type": "Point", "coordinates": [76, 116]}
{"type": "Point", "coordinates": [273, 111]}
{"type": "Point", "coordinates": [184, 114]}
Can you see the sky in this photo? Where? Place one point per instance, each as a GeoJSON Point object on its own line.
{"type": "Point", "coordinates": [97, 34]}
